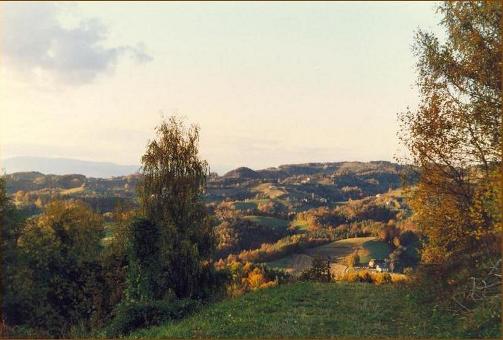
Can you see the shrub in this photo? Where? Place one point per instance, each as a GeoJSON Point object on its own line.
{"type": "Point", "coordinates": [365, 276]}
{"type": "Point", "coordinates": [256, 279]}
{"type": "Point", "coordinates": [380, 278]}
{"type": "Point", "coordinates": [134, 315]}
{"type": "Point", "coordinates": [372, 277]}
{"type": "Point", "coordinates": [249, 276]}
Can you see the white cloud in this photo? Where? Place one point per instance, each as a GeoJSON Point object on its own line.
{"type": "Point", "coordinates": [34, 42]}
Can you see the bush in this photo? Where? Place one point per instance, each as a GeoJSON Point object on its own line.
{"type": "Point", "coordinates": [365, 276]}
{"type": "Point", "coordinates": [372, 277]}
{"type": "Point", "coordinates": [243, 277]}
{"type": "Point", "coordinates": [380, 278]}
{"type": "Point", "coordinates": [131, 316]}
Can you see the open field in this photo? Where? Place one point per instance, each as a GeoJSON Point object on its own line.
{"type": "Point", "coordinates": [315, 310]}
{"type": "Point", "coordinates": [248, 204]}
{"type": "Point", "coordinates": [373, 249]}
{"type": "Point", "coordinates": [368, 247]}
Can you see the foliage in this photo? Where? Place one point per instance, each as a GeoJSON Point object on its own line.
{"type": "Point", "coordinates": [247, 276]}
{"type": "Point", "coordinates": [236, 234]}
{"type": "Point", "coordinates": [58, 274]}
{"type": "Point", "coordinates": [171, 191]}
{"type": "Point", "coordinates": [283, 247]}
{"type": "Point", "coordinates": [273, 208]}
{"type": "Point", "coordinates": [143, 255]}
{"type": "Point", "coordinates": [133, 315]}
{"type": "Point", "coordinates": [372, 277]}
{"type": "Point", "coordinates": [454, 137]}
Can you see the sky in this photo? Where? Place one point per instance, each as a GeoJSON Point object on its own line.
{"type": "Point", "coordinates": [268, 83]}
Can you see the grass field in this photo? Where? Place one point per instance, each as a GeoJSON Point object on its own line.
{"type": "Point", "coordinates": [267, 221]}
{"type": "Point", "coordinates": [314, 310]}
{"type": "Point", "coordinates": [368, 247]}
{"type": "Point", "coordinates": [245, 205]}
{"type": "Point", "coordinates": [373, 249]}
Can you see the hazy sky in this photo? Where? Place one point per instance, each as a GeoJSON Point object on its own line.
{"type": "Point", "coordinates": [268, 83]}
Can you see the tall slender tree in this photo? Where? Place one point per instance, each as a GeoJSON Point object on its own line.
{"type": "Point", "coordinates": [171, 195]}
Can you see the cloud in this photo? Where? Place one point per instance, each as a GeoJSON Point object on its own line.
{"type": "Point", "coordinates": [34, 42]}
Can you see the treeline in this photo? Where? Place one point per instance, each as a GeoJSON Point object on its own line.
{"type": "Point", "coordinates": [60, 279]}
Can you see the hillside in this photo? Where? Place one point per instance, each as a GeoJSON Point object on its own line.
{"type": "Point", "coordinates": [297, 187]}
{"type": "Point", "coordinates": [315, 310]}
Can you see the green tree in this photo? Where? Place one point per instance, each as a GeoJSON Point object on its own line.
{"type": "Point", "coordinates": [58, 273]}
{"type": "Point", "coordinates": [174, 180]}
{"type": "Point", "coordinates": [143, 253]}
{"type": "Point", "coordinates": [454, 137]}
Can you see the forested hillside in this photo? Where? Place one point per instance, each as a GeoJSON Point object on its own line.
{"type": "Point", "coordinates": [302, 185]}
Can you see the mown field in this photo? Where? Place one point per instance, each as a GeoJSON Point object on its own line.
{"type": "Point", "coordinates": [315, 310]}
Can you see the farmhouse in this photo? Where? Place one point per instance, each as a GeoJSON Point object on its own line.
{"type": "Point", "coordinates": [382, 267]}
{"type": "Point", "coordinates": [379, 265]}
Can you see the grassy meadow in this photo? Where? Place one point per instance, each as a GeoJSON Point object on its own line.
{"type": "Point", "coordinates": [309, 309]}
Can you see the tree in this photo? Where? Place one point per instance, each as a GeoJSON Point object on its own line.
{"type": "Point", "coordinates": [174, 180]}
{"type": "Point", "coordinates": [454, 138]}
{"type": "Point", "coordinates": [143, 253]}
{"type": "Point", "coordinates": [58, 275]}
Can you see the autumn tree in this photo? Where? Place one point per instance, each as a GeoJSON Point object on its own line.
{"type": "Point", "coordinates": [171, 197]}
{"type": "Point", "coordinates": [454, 138]}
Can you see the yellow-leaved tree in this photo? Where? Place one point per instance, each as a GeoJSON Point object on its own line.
{"type": "Point", "coordinates": [454, 139]}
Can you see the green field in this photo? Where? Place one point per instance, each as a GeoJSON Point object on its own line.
{"type": "Point", "coordinates": [267, 221]}
{"type": "Point", "coordinates": [373, 249]}
{"type": "Point", "coordinates": [245, 205]}
{"type": "Point", "coordinates": [314, 310]}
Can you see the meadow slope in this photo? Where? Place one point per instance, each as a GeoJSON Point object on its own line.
{"type": "Point", "coordinates": [315, 310]}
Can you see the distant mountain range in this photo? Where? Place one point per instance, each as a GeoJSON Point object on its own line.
{"type": "Point", "coordinates": [64, 166]}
